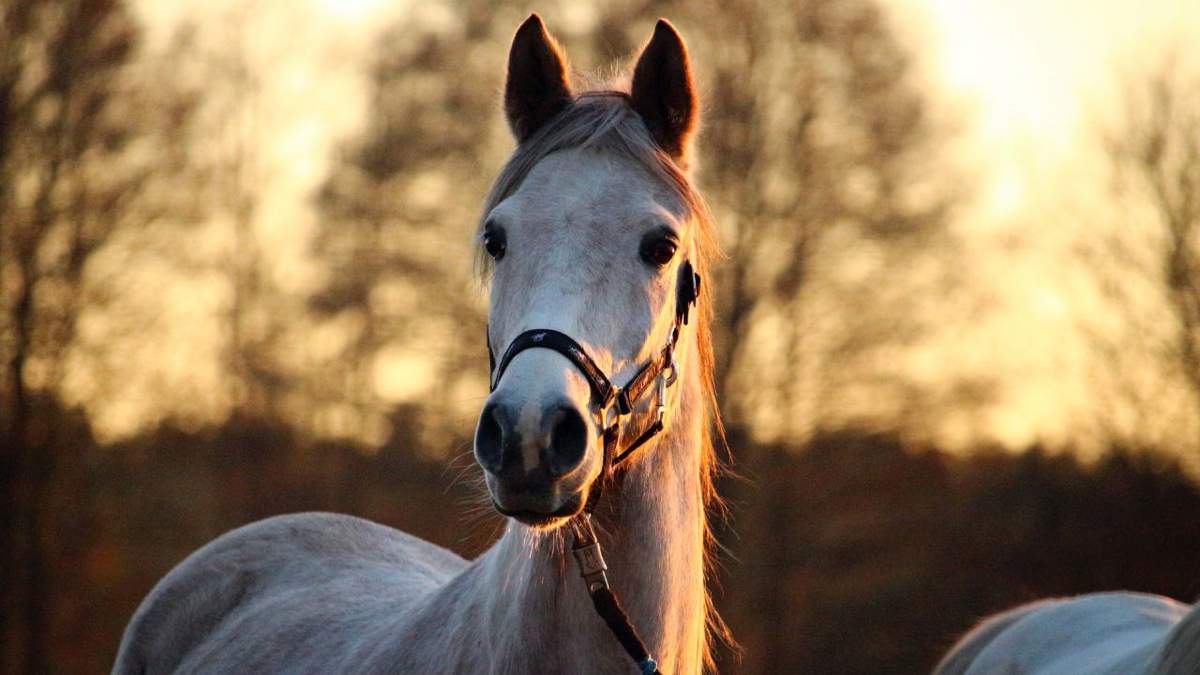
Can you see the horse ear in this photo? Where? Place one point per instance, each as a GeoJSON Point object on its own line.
{"type": "Point", "coordinates": [663, 92]}
{"type": "Point", "coordinates": [537, 87]}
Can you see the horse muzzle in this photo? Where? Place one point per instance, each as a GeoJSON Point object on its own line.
{"type": "Point", "coordinates": [533, 456]}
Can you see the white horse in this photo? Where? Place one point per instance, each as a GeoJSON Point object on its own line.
{"type": "Point", "coordinates": [591, 231]}
{"type": "Point", "coordinates": [1098, 634]}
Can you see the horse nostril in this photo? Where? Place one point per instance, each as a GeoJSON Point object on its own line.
{"type": "Point", "coordinates": [489, 439]}
{"type": "Point", "coordinates": [568, 441]}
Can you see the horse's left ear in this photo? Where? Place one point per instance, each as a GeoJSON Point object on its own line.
{"type": "Point", "coordinates": [663, 92]}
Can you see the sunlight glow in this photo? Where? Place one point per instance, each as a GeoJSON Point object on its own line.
{"type": "Point", "coordinates": [1029, 63]}
{"type": "Point", "coordinates": [401, 375]}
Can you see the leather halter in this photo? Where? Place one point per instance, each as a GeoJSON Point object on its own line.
{"type": "Point", "coordinates": [617, 402]}
{"type": "Point", "coordinates": [608, 400]}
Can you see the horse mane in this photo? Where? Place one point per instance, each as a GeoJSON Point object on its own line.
{"type": "Point", "coordinates": [602, 119]}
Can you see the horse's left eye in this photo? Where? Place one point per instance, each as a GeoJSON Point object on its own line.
{"type": "Point", "coordinates": [658, 252]}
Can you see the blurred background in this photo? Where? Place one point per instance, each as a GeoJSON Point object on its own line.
{"type": "Point", "coordinates": [958, 329]}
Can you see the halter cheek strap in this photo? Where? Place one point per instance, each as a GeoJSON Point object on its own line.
{"type": "Point", "coordinates": [621, 401]}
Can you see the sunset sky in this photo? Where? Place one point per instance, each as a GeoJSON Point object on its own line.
{"type": "Point", "coordinates": [1027, 82]}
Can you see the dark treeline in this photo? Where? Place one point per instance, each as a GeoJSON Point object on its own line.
{"type": "Point", "coordinates": [886, 551]}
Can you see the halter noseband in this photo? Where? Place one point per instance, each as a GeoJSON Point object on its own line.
{"type": "Point", "coordinates": [617, 402]}
{"type": "Point", "coordinates": [606, 396]}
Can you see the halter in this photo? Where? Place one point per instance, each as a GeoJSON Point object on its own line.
{"type": "Point", "coordinates": [610, 403]}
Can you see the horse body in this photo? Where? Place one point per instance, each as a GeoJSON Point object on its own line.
{"type": "Point", "coordinates": [1118, 633]}
{"type": "Point", "coordinates": [590, 224]}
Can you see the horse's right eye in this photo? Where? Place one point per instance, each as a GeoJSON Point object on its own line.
{"type": "Point", "coordinates": [495, 243]}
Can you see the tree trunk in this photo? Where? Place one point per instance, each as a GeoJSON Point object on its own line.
{"type": "Point", "coordinates": [23, 615]}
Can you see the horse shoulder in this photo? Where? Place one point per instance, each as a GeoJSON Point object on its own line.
{"type": "Point", "coordinates": [246, 565]}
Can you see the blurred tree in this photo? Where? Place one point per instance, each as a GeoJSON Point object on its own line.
{"type": "Point", "coordinates": [397, 213]}
{"type": "Point", "coordinates": [228, 238]}
{"type": "Point", "coordinates": [237, 174]}
{"type": "Point", "coordinates": [232, 55]}
{"type": "Point", "coordinates": [1147, 265]}
{"type": "Point", "coordinates": [820, 146]}
{"type": "Point", "coordinates": [75, 167]}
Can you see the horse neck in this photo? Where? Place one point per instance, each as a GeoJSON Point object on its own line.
{"type": "Point", "coordinates": [651, 526]}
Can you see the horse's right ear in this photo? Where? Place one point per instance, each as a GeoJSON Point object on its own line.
{"type": "Point", "coordinates": [537, 87]}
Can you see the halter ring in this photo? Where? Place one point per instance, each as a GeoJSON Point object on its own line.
{"type": "Point", "coordinates": [671, 372]}
{"type": "Point", "coordinates": [607, 422]}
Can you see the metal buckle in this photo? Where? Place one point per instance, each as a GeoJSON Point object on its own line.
{"type": "Point", "coordinates": [665, 379]}
{"type": "Point", "coordinates": [605, 422]}
{"type": "Point", "coordinates": [673, 369]}
{"type": "Point", "coordinates": [588, 554]}
{"type": "Point", "coordinates": [662, 400]}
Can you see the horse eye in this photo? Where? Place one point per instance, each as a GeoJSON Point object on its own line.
{"type": "Point", "coordinates": [495, 243]}
{"type": "Point", "coordinates": [659, 252]}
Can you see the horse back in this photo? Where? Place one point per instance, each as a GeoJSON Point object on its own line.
{"type": "Point", "coordinates": [290, 585]}
{"type": "Point", "coordinates": [1120, 633]}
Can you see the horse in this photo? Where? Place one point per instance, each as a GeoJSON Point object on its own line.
{"type": "Point", "coordinates": [1116, 633]}
{"type": "Point", "coordinates": [595, 242]}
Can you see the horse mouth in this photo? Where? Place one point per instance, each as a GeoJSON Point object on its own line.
{"type": "Point", "coordinates": [570, 508]}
